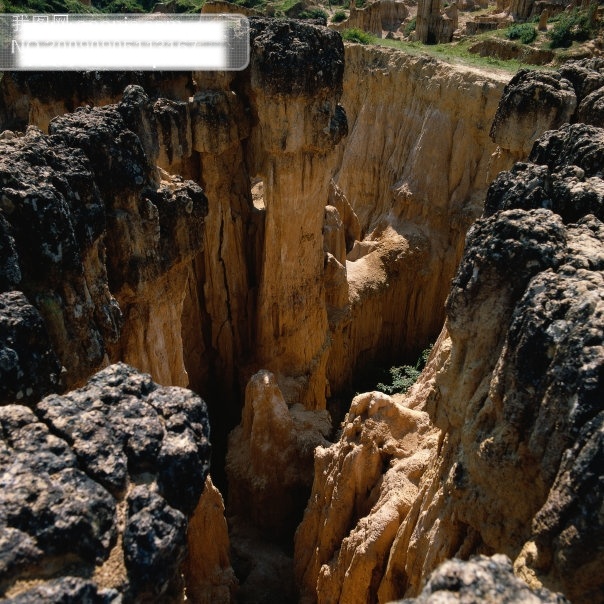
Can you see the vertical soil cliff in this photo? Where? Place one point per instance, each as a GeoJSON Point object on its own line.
{"type": "Point", "coordinates": [497, 448]}
{"type": "Point", "coordinates": [415, 183]}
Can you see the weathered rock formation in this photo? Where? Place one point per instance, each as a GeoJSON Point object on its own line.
{"type": "Point", "coordinates": [379, 16]}
{"type": "Point", "coordinates": [270, 458]}
{"type": "Point", "coordinates": [29, 368]}
{"type": "Point", "coordinates": [533, 102]}
{"type": "Point", "coordinates": [217, 132]}
{"type": "Point", "coordinates": [520, 10]}
{"type": "Point", "coordinates": [507, 413]}
{"type": "Point", "coordinates": [568, 183]}
{"type": "Point", "coordinates": [99, 237]}
{"type": "Point", "coordinates": [384, 292]}
{"type": "Point", "coordinates": [434, 26]}
{"type": "Point", "coordinates": [133, 237]}
{"type": "Point", "coordinates": [481, 579]}
{"type": "Point", "coordinates": [35, 98]}
{"type": "Point", "coordinates": [291, 155]}
{"type": "Point", "coordinates": [97, 487]}
{"type": "Point", "coordinates": [210, 579]}
{"type": "Point", "coordinates": [107, 255]}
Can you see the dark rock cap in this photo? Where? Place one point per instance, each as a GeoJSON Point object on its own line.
{"type": "Point", "coordinates": [296, 58]}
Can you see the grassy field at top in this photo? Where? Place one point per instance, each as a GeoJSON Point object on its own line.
{"type": "Point", "coordinates": [98, 6]}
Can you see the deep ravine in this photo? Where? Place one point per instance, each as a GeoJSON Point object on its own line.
{"type": "Point", "coordinates": [156, 253]}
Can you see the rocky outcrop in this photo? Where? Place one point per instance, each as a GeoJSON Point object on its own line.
{"type": "Point", "coordinates": [521, 117]}
{"type": "Point", "coordinates": [520, 10]}
{"type": "Point", "coordinates": [434, 26]}
{"type": "Point", "coordinates": [379, 16]}
{"type": "Point", "coordinates": [564, 175]}
{"type": "Point", "coordinates": [481, 579]}
{"type": "Point", "coordinates": [586, 75]}
{"type": "Point", "coordinates": [97, 487]}
{"type": "Point", "coordinates": [220, 304]}
{"type": "Point", "coordinates": [156, 225]}
{"type": "Point", "coordinates": [591, 108]}
{"type": "Point", "coordinates": [258, 291]}
{"type": "Point", "coordinates": [225, 129]}
{"type": "Point", "coordinates": [159, 263]}
{"type": "Point", "coordinates": [147, 235]}
{"type": "Point", "coordinates": [34, 98]}
{"type": "Point", "coordinates": [533, 102]}
{"type": "Point", "coordinates": [293, 156]}
{"type": "Point", "coordinates": [29, 368]}
{"type": "Point", "coordinates": [308, 283]}
{"type": "Point", "coordinates": [270, 458]}
{"type": "Point", "coordinates": [98, 237]}
{"type": "Point", "coordinates": [512, 448]}
{"type": "Point", "coordinates": [209, 577]}
{"type": "Point", "coordinates": [383, 450]}
{"type": "Point", "coordinates": [54, 212]}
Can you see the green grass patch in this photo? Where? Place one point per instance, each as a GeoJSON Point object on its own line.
{"type": "Point", "coordinates": [284, 5]}
{"type": "Point", "coordinates": [455, 53]}
{"type": "Point", "coordinates": [525, 32]}
{"type": "Point", "coordinates": [358, 35]}
{"type": "Point", "coordinates": [313, 13]}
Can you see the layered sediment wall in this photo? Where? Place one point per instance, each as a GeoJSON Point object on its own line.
{"type": "Point", "coordinates": [415, 183]}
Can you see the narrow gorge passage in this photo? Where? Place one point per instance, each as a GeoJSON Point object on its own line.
{"type": "Point", "coordinates": [262, 238]}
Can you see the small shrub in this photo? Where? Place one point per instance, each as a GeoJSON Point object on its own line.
{"type": "Point", "coordinates": [188, 6]}
{"type": "Point", "coordinates": [404, 376]}
{"type": "Point", "coordinates": [570, 27]}
{"type": "Point", "coordinates": [124, 6]}
{"type": "Point", "coordinates": [524, 32]}
{"type": "Point", "coordinates": [410, 26]}
{"type": "Point", "coordinates": [339, 16]}
{"type": "Point", "coordinates": [313, 13]}
{"type": "Point", "coordinates": [360, 3]}
{"type": "Point", "coordinates": [258, 4]}
{"type": "Point", "coordinates": [357, 35]}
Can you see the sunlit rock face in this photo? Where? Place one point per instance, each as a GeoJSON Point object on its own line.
{"type": "Point", "coordinates": [513, 440]}
{"type": "Point", "coordinates": [102, 243]}
{"type": "Point", "coordinates": [295, 85]}
{"type": "Point", "coordinates": [425, 171]}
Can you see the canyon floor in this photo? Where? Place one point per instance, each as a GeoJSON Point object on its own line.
{"type": "Point", "coordinates": [197, 271]}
